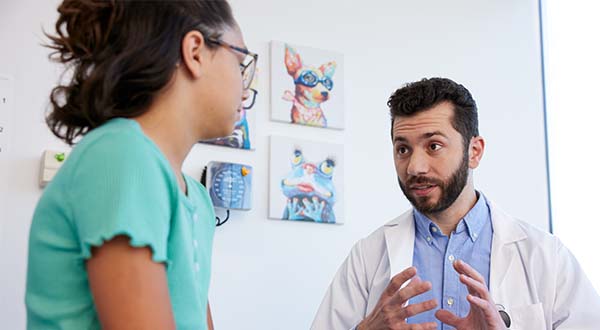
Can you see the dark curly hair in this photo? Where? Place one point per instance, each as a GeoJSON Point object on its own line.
{"type": "Point", "coordinates": [427, 93]}
{"type": "Point", "coordinates": [119, 54]}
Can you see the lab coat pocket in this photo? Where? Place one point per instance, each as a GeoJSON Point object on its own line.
{"type": "Point", "coordinates": [527, 317]}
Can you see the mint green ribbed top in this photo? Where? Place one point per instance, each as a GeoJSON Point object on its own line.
{"type": "Point", "coordinates": [117, 182]}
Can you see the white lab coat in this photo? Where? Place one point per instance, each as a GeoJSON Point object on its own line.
{"type": "Point", "coordinates": [533, 275]}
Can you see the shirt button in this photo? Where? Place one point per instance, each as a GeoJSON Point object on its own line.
{"type": "Point", "coordinates": [195, 217]}
{"type": "Point", "coordinates": [451, 257]}
{"type": "Point", "coordinates": [474, 235]}
{"type": "Point", "coordinates": [450, 301]}
{"type": "Point", "coordinates": [434, 229]}
{"type": "Point", "coordinates": [429, 239]}
{"type": "Point", "coordinates": [195, 243]}
{"type": "Point", "coordinates": [196, 267]}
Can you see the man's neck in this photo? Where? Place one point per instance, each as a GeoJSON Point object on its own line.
{"type": "Point", "coordinates": [448, 219]}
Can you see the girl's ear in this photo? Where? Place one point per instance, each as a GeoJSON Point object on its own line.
{"type": "Point", "coordinates": [192, 53]}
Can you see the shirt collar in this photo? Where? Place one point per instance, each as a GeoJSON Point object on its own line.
{"type": "Point", "coordinates": [424, 226]}
{"type": "Point", "coordinates": [477, 217]}
{"type": "Point", "coordinates": [473, 222]}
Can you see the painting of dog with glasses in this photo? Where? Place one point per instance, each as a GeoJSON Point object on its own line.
{"type": "Point", "coordinates": [307, 86]}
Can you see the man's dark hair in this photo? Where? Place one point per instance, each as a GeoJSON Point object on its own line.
{"type": "Point", "coordinates": [425, 94]}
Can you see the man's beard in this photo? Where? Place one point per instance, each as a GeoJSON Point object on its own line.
{"type": "Point", "coordinates": [450, 190]}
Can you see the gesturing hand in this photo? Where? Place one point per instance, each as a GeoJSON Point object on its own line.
{"type": "Point", "coordinates": [392, 311]}
{"type": "Point", "coordinates": [483, 314]}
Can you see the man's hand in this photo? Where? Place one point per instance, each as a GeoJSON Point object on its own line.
{"type": "Point", "coordinates": [392, 311]}
{"type": "Point", "coordinates": [483, 314]}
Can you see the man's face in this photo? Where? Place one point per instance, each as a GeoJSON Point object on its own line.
{"type": "Point", "coordinates": [431, 161]}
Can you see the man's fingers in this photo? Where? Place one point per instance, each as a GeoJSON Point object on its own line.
{"type": "Point", "coordinates": [475, 288]}
{"type": "Point", "coordinates": [423, 326]}
{"type": "Point", "coordinates": [416, 279]}
{"type": "Point", "coordinates": [488, 309]}
{"type": "Point", "coordinates": [414, 309]}
{"type": "Point", "coordinates": [447, 317]}
{"type": "Point", "coordinates": [397, 281]}
{"type": "Point", "coordinates": [413, 289]}
{"type": "Point", "coordinates": [483, 304]}
{"type": "Point", "coordinates": [463, 268]}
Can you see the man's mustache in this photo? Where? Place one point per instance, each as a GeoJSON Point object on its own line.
{"type": "Point", "coordinates": [423, 180]}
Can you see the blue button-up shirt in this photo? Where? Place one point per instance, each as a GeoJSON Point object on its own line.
{"type": "Point", "coordinates": [435, 252]}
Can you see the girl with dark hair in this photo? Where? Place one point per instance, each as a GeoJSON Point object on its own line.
{"type": "Point", "coordinates": [121, 238]}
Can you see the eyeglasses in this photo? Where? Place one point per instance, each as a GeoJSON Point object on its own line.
{"type": "Point", "coordinates": [248, 65]}
{"type": "Point", "coordinates": [250, 99]}
{"type": "Point", "coordinates": [311, 79]}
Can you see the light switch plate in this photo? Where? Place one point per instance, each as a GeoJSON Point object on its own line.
{"type": "Point", "coordinates": [51, 163]}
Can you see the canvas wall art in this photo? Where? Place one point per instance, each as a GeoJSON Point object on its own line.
{"type": "Point", "coordinates": [307, 86]}
{"type": "Point", "coordinates": [306, 181]}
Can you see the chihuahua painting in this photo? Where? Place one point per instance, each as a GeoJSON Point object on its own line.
{"type": "Point", "coordinates": [313, 87]}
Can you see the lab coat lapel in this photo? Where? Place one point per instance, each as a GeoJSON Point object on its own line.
{"type": "Point", "coordinates": [400, 241]}
{"type": "Point", "coordinates": [504, 251]}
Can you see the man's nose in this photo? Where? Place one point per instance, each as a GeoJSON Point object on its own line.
{"type": "Point", "coordinates": [418, 164]}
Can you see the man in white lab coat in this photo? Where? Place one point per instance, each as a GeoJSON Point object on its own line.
{"type": "Point", "coordinates": [456, 260]}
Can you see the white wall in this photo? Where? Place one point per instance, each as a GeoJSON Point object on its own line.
{"type": "Point", "coordinates": [272, 274]}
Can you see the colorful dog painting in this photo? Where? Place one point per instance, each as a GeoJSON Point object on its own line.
{"type": "Point", "coordinates": [309, 190]}
{"type": "Point", "coordinates": [313, 87]}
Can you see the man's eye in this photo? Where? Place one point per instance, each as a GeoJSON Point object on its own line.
{"type": "Point", "coordinates": [435, 146]}
{"type": "Point", "coordinates": [402, 150]}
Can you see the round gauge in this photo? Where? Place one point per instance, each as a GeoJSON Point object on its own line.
{"type": "Point", "coordinates": [229, 186]}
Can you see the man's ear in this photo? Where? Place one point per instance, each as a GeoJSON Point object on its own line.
{"type": "Point", "coordinates": [476, 149]}
{"type": "Point", "coordinates": [193, 52]}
